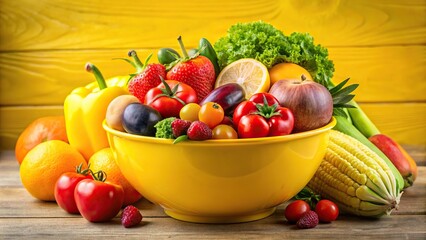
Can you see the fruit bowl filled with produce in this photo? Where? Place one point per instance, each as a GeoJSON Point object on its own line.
{"type": "Point", "coordinates": [218, 144]}
{"type": "Point", "coordinates": [219, 181]}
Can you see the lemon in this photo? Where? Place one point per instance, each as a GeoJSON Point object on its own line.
{"type": "Point", "coordinates": [251, 74]}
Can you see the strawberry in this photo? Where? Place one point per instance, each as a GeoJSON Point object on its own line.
{"type": "Point", "coordinates": [130, 216]}
{"type": "Point", "coordinates": [196, 71]}
{"type": "Point", "coordinates": [149, 76]}
{"type": "Point", "coordinates": [179, 127]}
{"type": "Point", "coordinates": [199, 131]}
{"type": "Point", "coordinates": [308, 220]}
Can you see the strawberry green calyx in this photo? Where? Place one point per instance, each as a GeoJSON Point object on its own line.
{"type": "Point", "coordinates": [99, 176]}
{"type": "Point", "coordinates": [98, 75]}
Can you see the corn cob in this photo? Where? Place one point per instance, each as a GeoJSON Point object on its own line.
{"type": "Point", "coordinates": [344, 126]}
{"type": "Point", "coordinates": [355, 178]}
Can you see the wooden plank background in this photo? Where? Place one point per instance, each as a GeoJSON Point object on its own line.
{"type": "Point", "coordinates": [45, 44]}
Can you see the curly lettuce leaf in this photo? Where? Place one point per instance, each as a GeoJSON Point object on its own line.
{"type": "Point", "coordinates": [267, 44]}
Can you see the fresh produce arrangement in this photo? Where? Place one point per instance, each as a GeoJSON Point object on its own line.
{"type": "Point", "coordinates": [254, 82]}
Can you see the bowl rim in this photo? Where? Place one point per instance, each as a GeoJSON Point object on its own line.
{"type": "Point", "coordinates": [283, 138]}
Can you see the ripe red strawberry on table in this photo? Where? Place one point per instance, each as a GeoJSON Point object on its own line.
{"type": "Point", "coordinates": [149, 76]}
{"type": "Point", "coordinates": [196, 71]}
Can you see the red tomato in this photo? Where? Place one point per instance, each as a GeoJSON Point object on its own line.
{"type": "Point", "coordinates": [295, 210]}
{"type": "Point", "coordinates": [282, 124]}
{"type": "Point", "coordinates": [169, 97]}
{"type": "Point", "coordinates": [327, 210]}
{"type": "Point", "coordinates": [261, 97]}
{"type": "Point", "coordinates": [98, 201]}
{"type": "Point", "coordinates": [211, 114]}
{"type": "Point", "coordinates": [253, 126]}
{"type": "Point", "coordinates": [64, 190]}
{"type": "Point", "coordinates": [280, 120]}
{"type": "Point", "coordinates": [242, 109]}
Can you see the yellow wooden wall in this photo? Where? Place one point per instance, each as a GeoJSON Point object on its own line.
{"type": "Point", "coordinates": [44, 45]}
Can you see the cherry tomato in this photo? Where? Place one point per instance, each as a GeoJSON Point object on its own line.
{"type": "Point", "coordinates": [260, 98]}
{"type": "Point", "coordinates": [98, 201]}
{"type": "Point", "coordinates": [327, 210]}
{"type": "Point", "coordinates": [211, 114]}
{"type": "Point", "coordinates": [281, 124]}
{"type": "Point", "coordinates": [280, 120]}
{"type": "Point", "coordinates": [223, 131]}
{"type": "Point", "coordinates": [253, 126]}
{"type": "Point", "coordinates": [169, 97]}
{"type": "Point", "coordinates": [295, 210]}
{"type": "Point", "coordinates": [65, 186]}
{"type": "Point", "coordinates": [242, 109]}
{"type": "Point", "coordinates": [189, 112]}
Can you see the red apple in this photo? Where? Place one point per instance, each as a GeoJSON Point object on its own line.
{"type": "Point", "coordinates": [310, 102]}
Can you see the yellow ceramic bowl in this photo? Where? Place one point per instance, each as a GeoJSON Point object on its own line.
{"type": "Point", "coordinates": [219, 181]}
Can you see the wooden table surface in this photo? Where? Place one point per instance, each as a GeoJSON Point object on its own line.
{"type": "Point", "coordinates": [23, 217]}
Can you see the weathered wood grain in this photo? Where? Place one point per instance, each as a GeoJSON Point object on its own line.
{"type": "Point", "coordinates": [22, 217]}
{"type": "Point", "coordinates": [64, 24]}
{"type": "Point", "coordinates": [274, 227]}
{"type": "Point", "coordinates": [11, 189]}
{"type": "Point", "coordinates": [45, 44]}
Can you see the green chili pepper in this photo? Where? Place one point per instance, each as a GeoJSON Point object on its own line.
{"type": "Point", "coordinates": [206, 50]}
{"type": "Point", "coordinates": [167, 55]}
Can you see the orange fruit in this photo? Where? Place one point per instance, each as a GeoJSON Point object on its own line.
{"type": "Point", "coordinates": [286, 71]}
{"type": "Point", "coordinates": [40, 130]}
{"type": "Point", "coordinates": [104, 160]}
{"type": "Point", "coordinates": [44, 164]}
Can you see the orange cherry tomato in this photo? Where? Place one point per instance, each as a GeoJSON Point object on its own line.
{"type": "Point", "coordinates": [211, 114]}
{"type": "Point", "coordinates": [223, 131]}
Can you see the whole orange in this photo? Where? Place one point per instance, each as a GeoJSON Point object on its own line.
{"type": "Point", "coordinates": [286, 71]}
{"type": "Point", "coordinates": [104, 160]}
{"type": "Point", "coordinates": [40, 130]}
{"type": "Point", "coordinates": [44, 164]}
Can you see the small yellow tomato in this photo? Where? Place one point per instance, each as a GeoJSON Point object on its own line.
{"type": "Point", "coordinates": [223, 131]}
{"type": "Point", "coordinates": [190, 112]}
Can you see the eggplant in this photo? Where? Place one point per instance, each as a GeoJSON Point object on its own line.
{"type": "Point", "coordinates": [228, 96]}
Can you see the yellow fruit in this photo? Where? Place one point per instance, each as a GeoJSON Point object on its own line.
{"type": "Point", "coordinates": [43, 165]}
{"type": "Point", "coordinates": [286, 71]}
{"type": "Point", "coordinates": [251, 74]}
{"type": "Point", "coordinates": [104, 160]}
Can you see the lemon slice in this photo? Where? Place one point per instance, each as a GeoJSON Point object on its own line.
{"type": "Point", "coordinates": [251, 74]}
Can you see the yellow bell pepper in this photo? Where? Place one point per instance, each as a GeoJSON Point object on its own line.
{"type": "Point", "coordinates": [85, 109]}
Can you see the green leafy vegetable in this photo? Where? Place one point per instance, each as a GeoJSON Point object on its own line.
{"type": "Point", "coordinates": [267, 44]}
{"type": "Point", "coordinates": [164, 128]}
